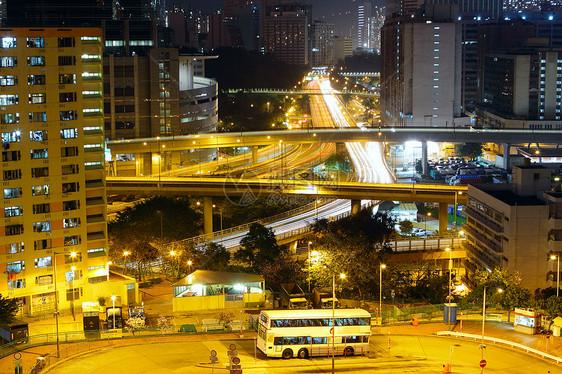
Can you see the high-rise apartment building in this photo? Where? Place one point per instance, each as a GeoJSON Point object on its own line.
{"type": "Point", "coordinates": [364, 26]}
{"type": "Point", "coordinates": [420, 72]}
{"type": "Point", "coordinates": [52, 166]}
{"type": "Point", "coordinates": [343, 46]}
{"type": "Point", "coordinates": [286, 33]}
{"type": "Point", "coordinates": [322, 44]}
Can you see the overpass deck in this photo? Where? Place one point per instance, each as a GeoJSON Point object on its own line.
{"type": "Point", "coordinates": [255, 188]}
{"type": "Point", "coordinates": [229, 139]}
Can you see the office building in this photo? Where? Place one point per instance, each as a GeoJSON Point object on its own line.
{"type": "Point", "coordinates": [421, 70]}
{"type": "Point", "coordinates": [286, 33]}
{"type": "Point", "coordinates": [53, 168]}
{"type": "Point", "coordinates": [323, 50]}
{"type": "Point", "coordinates": [343, 47]}
{"type": "Point", "coordinates": [514, 227]}
{"type": "Point", "coordinates": [364, 26]}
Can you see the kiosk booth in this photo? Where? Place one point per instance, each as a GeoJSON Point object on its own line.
{"type": "Point", "coordinates": [526, 321]}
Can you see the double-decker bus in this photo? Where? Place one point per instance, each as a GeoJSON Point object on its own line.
{"type": "Point", "coordinates": [306, 333]}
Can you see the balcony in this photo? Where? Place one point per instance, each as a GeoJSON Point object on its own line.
{"type": "Point", "coordinates": [479, 256]}
{"type": "Point", "coordinates": [93, 218]}
{"type": "Point", "coordinates": [483, 219]}
{"type": "Point", "coordinates": [554, 246]}
{"type": "Point", "coordinates": [492, 244]}
{"type": "Point", "coordinates": [96, 235]}
{"type": "Point", "coordinates": [98, 200]}
{"type": "Point", "coordinates": [554, 223]}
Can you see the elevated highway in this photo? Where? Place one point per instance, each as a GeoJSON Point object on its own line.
{"type": "Point", "coordinates": [298, 92]}
{"type": "Point", "coordinates": [399, 135]}
{"type": "Point", "coordinates": [254, 188]}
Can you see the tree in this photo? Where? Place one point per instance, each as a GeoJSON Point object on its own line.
{"type": "Point", "coordinates": [514, 296]}
{"type": "Point", "coordinates": [283, 270]}
{"type": "Point", "coordinates": [497, 279]}
{"type": "Point", "coordinates": [406, 227]}
{"type": "Point", "coordinates": [343, 245]}
{"type": "Point", "coordinates": [8, 310]}
{"type": "Point", "coordinates": [258, 246]}
{"type": "Point", "coordinates": [553, 306]}
{"type": "Point", "coordinates": [469, 150]}
{"type": "Point", "coordinates": [214, 257]}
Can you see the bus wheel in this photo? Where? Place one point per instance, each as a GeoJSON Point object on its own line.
{"type": "Point", "coordinates": [303, 353]}
{"type": "Point", "coordinates": [287, 353]}
{"type": "Point", "coordinates": [348, 351]}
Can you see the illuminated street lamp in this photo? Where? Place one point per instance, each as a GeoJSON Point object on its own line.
{"type": "Point", "coordinates": [309, 243]}
{"type": "Point", "coordinates": [426, 219]}
{"type": "Point", "coordinates": [342, 276]}
{"type": "Point", "coordinates": [189, 263]}
{"type": "Point", "coordinates": [450, 283]}
{"type": "Point", "coordinates": [114, 312]}
{"type": "Point", "coordinates": [125, 254]}
{"type": "Point", "coordinates": [72, 255]}
{"type": "Point", "coordinates": [557, 258]}
{"type": "Point", "coordinates": [382, 267]}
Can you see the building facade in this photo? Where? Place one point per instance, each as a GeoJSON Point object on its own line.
{"type": "Point", "coordinates": [286, 33]}
{"type": "Point", "coordinates": [323, 50]}
{"type": "Point", "coordinates": [421, 72]}
{"type": "Point", "coordinates": [515, 226]}
{"type": "Point", "coordinates": [52, 166]}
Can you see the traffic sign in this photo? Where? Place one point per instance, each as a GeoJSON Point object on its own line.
{"type": "Point", "coordinates": [17, 355]}
{"type": "Point", "coordinates": [232, 347]}
{"type": "Point", "coordinates": [547, 335]}
{"type": "Point", "coordinates": [213, 353]}
{"type": "Point", "coordinates": [213, 359]}
{"type": "Point", "coordinates": [235, 360]}
{"type": "Point", "coordinates": [483, 363]}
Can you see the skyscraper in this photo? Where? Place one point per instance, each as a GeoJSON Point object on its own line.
{"type": "Point", "coordinates": [364, 26]}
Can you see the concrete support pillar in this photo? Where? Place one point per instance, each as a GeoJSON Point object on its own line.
{"type": "Point", "coordinates": [443, 215]}
{"type": "Point", "coordinates": [424, 158]}
{"type": "Point", "coordinates": [208, 215]}
{"type": "Point", "coordinates": [175, 159]}
{"type": "Point", "coordinates": [340, 147]}
{"type": "Point", "coordinates": [355, 206]}
{"type": "Point", "coordinates": [506, 163]}
{"type": "Point", "coordinates": [254, 155]}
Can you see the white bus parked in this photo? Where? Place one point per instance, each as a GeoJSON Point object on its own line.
{"type": "Point", "coordinates": [306, 333]}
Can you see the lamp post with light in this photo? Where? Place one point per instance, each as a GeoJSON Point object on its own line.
{"type": "Point", "coordinates": [114, 311]}
{"type": "Point", "coordinates": [342, 276]}
{"type": "Point", "coordinates": [309, 243]}
{"type": "Point", "coordinates": [450, 284]}
{"type": "Point", "coordinates": [189, 263]}
{"type": "Point", "coordinates": [125, 254]}
{"type": "Point", "coordinates": [426, 219]}
{"type": "Point", "coordinates": [382, 267]}
{"type": "Point", "coordinates": [172, 254]}
{"type": "Point", "coordinates": [72, 255]}
{"type": "Point", "coordinates": [557, 258]}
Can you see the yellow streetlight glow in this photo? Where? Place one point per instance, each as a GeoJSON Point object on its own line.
{"type": "Point", "coordinates": [172, 253]}
{"type": "Point", "coordinates": [72, 254]}
{"type": "Point", "coordinates": [342, 275]}
{"type": "Point", "coordinates": [552, 257]}
{"type": "Point", "coordinates": [189, 262]}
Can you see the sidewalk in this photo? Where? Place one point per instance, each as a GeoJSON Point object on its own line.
{"type": "Point", "coordinates": [500, 330]}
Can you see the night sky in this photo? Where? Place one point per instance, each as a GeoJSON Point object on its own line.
{"type": "Point", "coordinates": [340, 12]}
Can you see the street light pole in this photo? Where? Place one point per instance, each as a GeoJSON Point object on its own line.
{"type": "Point", "coordinates": [426, 218]}
{"type": "Point", "coordinates": [450, 284]}
{"type": "Point", "coordinates": [557, 257]}
{"type": "Point", "coordinates": [72, 254]}
{"type": "Point", "coordinates": [334, 318]}
{"type": "Point", "coordinates": [309, 243]}
{"type": "Point", "coordinates": [125, 254]}
{"type": "Point", "coordinates": [383, 266]}
{"type": "Point", "coordinates": [483, 320]}
{"type": "Point", "coordinates": [114, 311]}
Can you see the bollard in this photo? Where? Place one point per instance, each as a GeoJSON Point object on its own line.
{"type": "Point", "coordinates": [446, 369]}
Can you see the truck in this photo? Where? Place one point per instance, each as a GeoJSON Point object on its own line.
{"type": "Point", "coordinates": [14, 331]}
{"type": "Point", "coordinates": [322, 299]}
{"type": "Point", "coordinates": [293, 297]}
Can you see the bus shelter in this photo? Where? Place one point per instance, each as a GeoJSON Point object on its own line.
{"type": "Point", "coordinates": [206, 289]}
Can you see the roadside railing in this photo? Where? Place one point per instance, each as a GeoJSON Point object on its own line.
{"type": "Point", "coordinates": [504, 342]}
